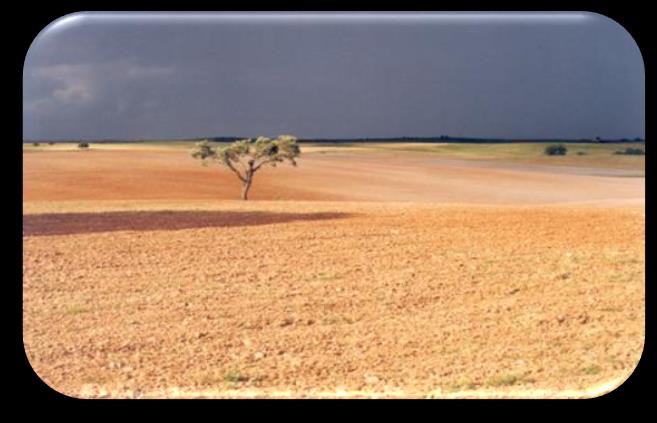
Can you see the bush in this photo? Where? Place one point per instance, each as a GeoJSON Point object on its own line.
{"type": "Point", "coordinates": [51, 143]}
{"type": "Point", "coordinates": [632, 151]}
{"type": "Point", "coordinates": [83, 145]}
{"type": "Point", "coordinates": [36, 144]}
{"type": "Point", "coordinates": [556, 150]}
{"type": "Point", "coordinates": [581, 153]}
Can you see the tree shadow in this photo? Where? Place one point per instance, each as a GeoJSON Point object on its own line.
{"type": "Point", "coordinates": [82, 223]}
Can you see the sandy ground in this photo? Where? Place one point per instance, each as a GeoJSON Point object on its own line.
{"type": "Point", "coordinates": [370, 176]}
{"type": "Point", "coordinates": [380, 276]}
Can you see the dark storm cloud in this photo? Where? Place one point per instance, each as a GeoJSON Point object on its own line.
{"type": "Point", "coordinates": [193, 75]}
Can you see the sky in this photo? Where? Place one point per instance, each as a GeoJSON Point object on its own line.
{"type": "Point", "coordinates": [330, 75]}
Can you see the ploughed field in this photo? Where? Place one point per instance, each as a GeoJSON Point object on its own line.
{"type": "Point", "coordinates": [382, 274]}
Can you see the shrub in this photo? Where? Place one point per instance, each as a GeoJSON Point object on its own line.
{"type": "Point", "coordinates": [581, 153]}
{"type": "Point", "coordinates": [556, 150]}
{"type": "Point", "coordinates": [632, 151]}
{"type": "Point", "coordinates": [51, 143]}
{"type": "Point", "coordinates": [36, 144]}
{"type": "Point", "coordinates": [83, 145]}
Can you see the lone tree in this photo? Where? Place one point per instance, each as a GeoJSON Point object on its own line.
{"type": "Point", "coordinates": [245, 157]}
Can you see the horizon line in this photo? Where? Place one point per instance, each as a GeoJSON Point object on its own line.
{"type": "Point", "coordinates": [363, 138]}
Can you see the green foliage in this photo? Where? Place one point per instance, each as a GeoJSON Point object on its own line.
{"type": "Point", "coordinates": [630, 151]}
{"type": "Point", "coordinates": [504, 380]}
{"type": "Point", "coordinates": [592, 370]}
{"type": "Point", "coordinates": [76, 310]}
{"type": "Point", "coordinates": [509, 379]}
{"type": "Point", "coordinates": [463, 385]}
{"type": "Point", "coordinates": [556, 150]}
{"type": "Point", "coordinates": [235, 377]}
{"type": "Point", "coordinates": [251, 153]}
{"type": "Point", "coordinates": [83, 145]}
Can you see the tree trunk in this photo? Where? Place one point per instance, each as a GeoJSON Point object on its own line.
{"type": "Point", "coordinates": [245, 188]}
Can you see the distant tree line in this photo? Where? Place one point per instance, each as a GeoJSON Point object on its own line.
{"type": "Point", "coordinates": [440, 138]}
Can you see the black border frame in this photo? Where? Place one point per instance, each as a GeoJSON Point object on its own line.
{"type": "Point", "coordinates": [26, 385]}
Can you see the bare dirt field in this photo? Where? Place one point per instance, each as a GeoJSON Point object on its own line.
{"type": "Point", "coordinates": [339, 174]}
{"type": "Point", "coordinates": [385, 274]}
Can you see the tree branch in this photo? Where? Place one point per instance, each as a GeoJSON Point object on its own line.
{"type": "Point", "coordinates": [264, 162]}
{"type": "Point", "coordinates": [231, 167]}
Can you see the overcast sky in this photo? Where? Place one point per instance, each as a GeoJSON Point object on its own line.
{"type": "Point", "coordinates": [153, 76]}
